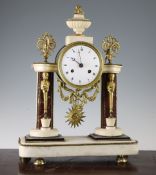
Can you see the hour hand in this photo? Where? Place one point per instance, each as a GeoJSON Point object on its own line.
{"type": "Point", "coordinates": [73, 59]}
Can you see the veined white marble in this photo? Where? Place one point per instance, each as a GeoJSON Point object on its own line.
{"type": "Point", "coordinates": [112, 68]}
{"type": "Point", "coordinates": [45, 122]}
{"type": "Point", "coordinates": [77, 146]}
{"type": "Point", "coordinates": [108, 131]}
{"type": "Point", "coordinates": [44, 132]}
{"type": "Point", "coordinates": [45, 67]}
{"type": "Point", "coordinates": [74, 38]}
{"type": "Point", "coordinates": [78, 23]}
{"type": "Point", "coordinates": [110, 121]}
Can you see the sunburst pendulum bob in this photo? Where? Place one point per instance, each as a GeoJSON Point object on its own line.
{"type": "Point", "coordinates": [75, 115]}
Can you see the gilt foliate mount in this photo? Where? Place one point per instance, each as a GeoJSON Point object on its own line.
{"type": "Point", "coordinates": [78, 10]}
{"type": "Point", "coordinates": [111, 47]}
{"type": "Point", "coordinates": [46, 44]}
{"type": "Point", "coordinates": [77, 98]}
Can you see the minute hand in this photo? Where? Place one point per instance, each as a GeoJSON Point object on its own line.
{"type": "Point", "coordinates": [79, 56]}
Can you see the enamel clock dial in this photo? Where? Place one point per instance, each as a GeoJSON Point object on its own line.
{"type": "Point", "coordinates": [79, 64]}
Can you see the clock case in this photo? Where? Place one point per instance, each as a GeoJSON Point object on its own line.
{"type": "Point", "coordinates": [92, 145]}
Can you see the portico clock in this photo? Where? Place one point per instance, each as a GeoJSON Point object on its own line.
{"type": "Point", "coordinates": [80, 71]}
{"type": "Point", "coordinates": [79, 64]}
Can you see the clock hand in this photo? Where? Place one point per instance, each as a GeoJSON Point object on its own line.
{"type": "Point", "coordinates": [80, 64]}
{"type": "Point", "coordinates": [73, 59]}
{"type": "Point", "coordinates": [79, 56]}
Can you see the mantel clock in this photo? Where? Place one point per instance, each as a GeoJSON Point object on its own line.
{"type": "Point", "coordinates": [81, 70]}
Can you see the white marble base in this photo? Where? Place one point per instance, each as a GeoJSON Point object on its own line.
{"type": "Point", "coordinates": [44, 132]}
{"type": "Point", "coordinates": [77, 146]}
{"type": "Point", "coordinates": [108, 131]}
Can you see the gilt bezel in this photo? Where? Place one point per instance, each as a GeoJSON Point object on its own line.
{"type": "Point", "coordinates": [59, 64]}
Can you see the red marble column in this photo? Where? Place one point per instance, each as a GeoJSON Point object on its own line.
{"type": "Point", "coordinates": [40, 101]}
{"type": "Point", "coordinates": [105, 99]}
